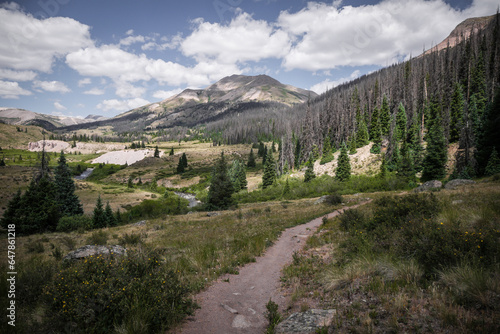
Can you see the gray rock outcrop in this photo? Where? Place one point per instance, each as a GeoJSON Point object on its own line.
{"type": "Point", "coordinates": [306, 322]}
{"type": "Point", "coordinates": [94, 250]}
{"type": "Point", "coordinates": [453, 184]}
{"type": "Point", "coordinates": [429, 185]}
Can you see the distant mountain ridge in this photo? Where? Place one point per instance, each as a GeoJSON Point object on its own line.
{"type": "Point", "coordinates": [232, 94]}
{"type": "Point", "coordinates": [18, 116]}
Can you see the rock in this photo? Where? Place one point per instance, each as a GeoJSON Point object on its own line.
{"type": "Point", "coordinates": [94, 250]}
{"type": "Point", "coordinates": [141, 223]}
{"type": "Point", "coordinates": [212, 214]}
{"type": "Point", "coordinates": [306, 322]}
{"type": "Point", "coordinates": [453, 184]}
{"type": "Point", "coordinates": [429, 185]}
{"type": "Point", "coordinates": [321, 200]}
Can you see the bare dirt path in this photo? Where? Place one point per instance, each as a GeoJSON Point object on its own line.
{"type": "Point", "coordinates": [239, 305]}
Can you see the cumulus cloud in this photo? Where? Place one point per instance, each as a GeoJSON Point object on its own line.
{"type": "Point", "coordinates": [94, 91]}
{"type": "Point", "coordinates": [27, 43]}
{"type": "Point", "coordinates": [12, 90]}
{"type": "Point", "coordinates": [121, 105]}
{"type": "Point", "coordinates": [51, 86]}
{"type": "Point", "coordinates": [59, 106]}
{"type": "Point", "coordinates": [327, 36]}
{"type": "Point", "coordinates": [132, 40]}
{"type": "Point", "coordinates": [17, 75]}
{"type": "Point", "coordinates": [165, 94]}
{"type": "Point", "coordinates": [329, 84]}
{"type": "Point", "coordinates": [243, 39]}
{"type": "Point", "coordinates": [83, 82]}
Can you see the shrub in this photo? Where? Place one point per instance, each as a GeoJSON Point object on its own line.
{"type": "Point", "coordinates": [98, 238]}
{"type": "Point", "coordinates": [334, 199]}
{"type": "Point", "coordinates": [102, 293]}
{"type": "Point", "coordinates": [74, 223]}
{"type": "Point", "coordinates": [35, 246]}
{"type": "Point", "coordinates": [273, 316]}
{"type": "Point", "coordinates": [130, 239]}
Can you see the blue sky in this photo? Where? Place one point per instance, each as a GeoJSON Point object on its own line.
{"type": "Point", "coordinates": [80, 57]}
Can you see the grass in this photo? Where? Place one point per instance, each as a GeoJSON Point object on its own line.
{"type": "Point", "coordinates": [368, 270]}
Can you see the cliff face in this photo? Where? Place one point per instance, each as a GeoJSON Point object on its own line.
{"type": "Point", "coordinates": [463, 31]}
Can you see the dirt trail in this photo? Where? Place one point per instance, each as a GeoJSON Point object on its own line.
{"type": "Point", "coordinates": [239, 306]}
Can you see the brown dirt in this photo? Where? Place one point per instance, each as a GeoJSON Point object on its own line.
{"type": "Point", "coordinates": [237, 303]}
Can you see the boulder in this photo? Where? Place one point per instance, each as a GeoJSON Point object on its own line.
{"type": "Point", "coordinates": [141, 223]}
{"type": "Point", "coordinates": [321, 200]}
{"type": "Point", "coordinates": [306, 322]}
{"type": "Point", "coordinates": [94, 250]}
{"type": "Point", "coordinates": [429, 185]}
{"type": "Point", "coordinates": [453, 184]}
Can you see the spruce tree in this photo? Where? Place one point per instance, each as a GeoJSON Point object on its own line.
{"type": "Point", "coordinates": [242, 177]}
{"type": "Point", "coordinates": [385, 117]}
{"type": "Point", "coordinates": [456, 113]}
{"type": "Point", "coordinates": [383, 168]}
{"type": "Point", "coordinates": [13, 212]}
{"type": "Point", "coordinates": [184, 160]}
{"type": "Point", "coordinates": [436, 155]}
{"type": "Point", "coordinates": [493, 166]}
{"type": "Point", "coordinates": [221, 189]}
{"type": "Point", "coordinates": [401, 121]}
{"type": "Point", "coordinates": [375, 127]}
{"type": "Point", "coordinates": [309, 174]}
{"type": "Point", "coordinates": [180, 166]}
{"type": "Point", "coordinates": [264, 156]}
{"type": "Point", "coordinates": [109, 216]}
{"type": "Point", "coordinates": [286, 189]}
{"type": "Point", "coordinates": [99, 217]}
{"type": "Point", "coordinates": [157, 152]}
{"type": "Point", "coordinates": [69, 202]}
{"type": "Point", "coordinates": [251, 160]}
{"type": "Point", "coordinates": [269, 172]}
{"type": "Point", "coordinates": [362, 134]}
{"type": "Point", "coordinates": [343, 171]}
{"type": "Point", "coordinates": [171, 152]}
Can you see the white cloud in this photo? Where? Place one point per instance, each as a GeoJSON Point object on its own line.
{"type": "Point", "coordinates": [125, 89]}
{"type": "Point", "coordinates": [17, 75]}
{"type": "Point", "coordinates": [83, 82]}
{"type": "Point", "coordinates": [243, 39]}
{"type": "Point", "coordinates": [165, 94]}
{"type": "Point", "coordinates": [94, 91]}
{"type": "Point", "coordinates": [171, 44]}
{"type": "Point", "coordinates": [329, 84]}
{"type": "Point", "coordinates": [59, 106]}
{"type": "Point", "coordinates": [130, 32]}
{"type": "Point", "coordinates": [121, 105]}
{"type": "Point", "coordinates": [132, 40]}
{"type": "Point", "coordinates": [51, 86]}
{"type": "Point", "coordinates": [27, 43]}
{"type": "Point", "coordinates": [326, 37]}
{"type": "Point", "coordinates": [12, 90]}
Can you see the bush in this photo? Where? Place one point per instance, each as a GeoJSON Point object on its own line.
{"type": "Point", "coordinates": [102, 293]}
{"type": "Point", "coordinates": [130, 239]}
{"type": "Point", "coordinates": [98, 238]}
{"type": "Point", "coordinates": [334, 199]}
{"type": "Point", "coordinates": [148, 209]}
{"type": "Point", "coordinates": [74, 223]}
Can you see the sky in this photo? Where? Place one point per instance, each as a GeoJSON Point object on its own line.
{"type": "Point", "coordinates": [104, 57]}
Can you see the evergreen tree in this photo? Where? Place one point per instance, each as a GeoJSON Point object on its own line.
{"type": "Point", "coordinates": [99, 218]}
{"type": "Point", "coordinates": [242, 176]}
{"type": "Point", "coordinates": [69, 202]}
{"type": "Point", "coordinates": [456, 113]}
{"type": "Point", "coordinates": [385, 117]}
{"type": "Point", "coordinates": [375, 127]}
{"type": "Point", "coordinates": [171, 152]}
{"type": "Point", "coordinates": [352, 146]}
{"type": "Point", "coordinates": [493, 166]}
{"type": "Point", "coordinates": [436, 155]}
{"type": "Point", "coordinates": [489, 134]}
{"type": "Point", "coordinates": [39, 207]}
{"type": "Point", "coordinates": [343, 171]}
{"type": "Point", "coordinates": [221, 189]}
{"type": "Point", "coordinates": [401, 121]}
{"type": "Point", "coordinates": [309, 174]}
{"type": "Point", "coordinates": [269, 172]}
{"type": "Point", "coordinates": [157, 152]}
{"type": "Point", "coordinates": [109, 216]}
{"type": "Point", "coordinates": [260, 152]}
{"type": "Point", "coordinates": [237, 175]}
{"type": "Point", "coordinates": [286, 189]}
{"type": "Point", "coordinates": [298, 154]}
{"type": "Point", "coordinates": [130, 184]}
{"type": "Point", "coordinates": [362, 134]}
{"type": "Point", "coordinates": [2, 162]}
{"type": "Point", "coordinates": [13, 212]}
{"type": "Point", "coordinates": [264, 156]}
{"type": "Point", "coordinates": [405, 168]}
{"type": "Point", "coordinates": [251, 160]}
{"type": "Point", "coordinates": [383, 168]}
{"type": "Point", "coordinates": [181, 166]}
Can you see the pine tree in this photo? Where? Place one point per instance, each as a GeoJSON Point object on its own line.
{"type": "Point", "coordinates": [493, 166]}
{"type": "Point", "coordinates": [69, 202]}
{"type": "Point", "coordinates": [436, 155]}
{"type": "Point", "coordinates": [401, 121]}
{"type": "Point", "coordinates": [375, 127]}
{"type": "Point", "coordinates": [221, 189]}
{"type": "Point", "coordinates": [489, 134]}
{"type": "Point", "coordinates": [130, 184]}
{"type": "Point", "coordinates": [251, 160]}
{"type": "Point", "coordinates": [109, 216]}
{"type": "Point", "coordinates": [242, 177]}
{"type": "Point", "coordinates": [171, 152]}
{"type": "Point", "coordinates": [456, 113]}
{"type": "Point", "coordinates": [184, 160]}
{"type": "Point", "coordinates": [352, 146]}
{"type": "Point", "coordinates": [298, 154]}
{"type": "Point", "coordinates": [286, 189]}
{"type": "Point", "coordinates": [309, 174]}
{"type": "Point", "coordinates": [269, 172]}
{"type": "Point", "coordinates": [383, 168]}
{"type": "Point", "coordinates": [181, 166]}
{"type": "Point", "coordinates": [264, 156]}
{"type": "Point", "coordinates": [99, 217]}
{"type": "Point", "coordinates": [343, 171]}
{"type": "Point", "coordinates": [2, 162]}
{"type": "Point", "coordinates": [13, 212]}
{"type": "Point", "coordinates": [362, 134]}
{"type": "Point", "coordinates": [385, 117]}
{"type": "Point", "coordinates": [157, 152]}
